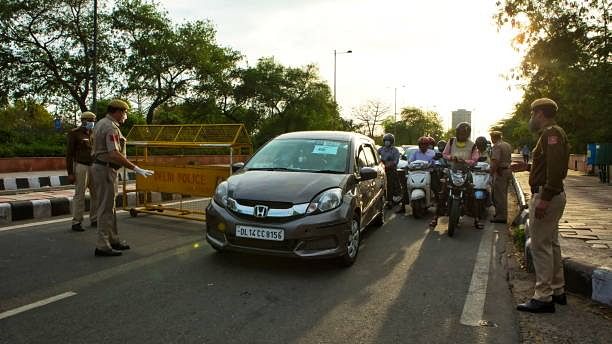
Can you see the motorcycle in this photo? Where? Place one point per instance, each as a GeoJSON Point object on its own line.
{"type": "Point", "coordinates": [482, 188]}
{"type": "Point", "coordinates": [459, 179]}
{"type": "Point", "coordinates": [418, 180]}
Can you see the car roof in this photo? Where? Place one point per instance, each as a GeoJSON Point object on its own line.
{"type": "Point", "coordinates": [325, 135]}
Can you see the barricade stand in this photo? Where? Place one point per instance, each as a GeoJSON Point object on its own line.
{"type": "Point", "coordinates": [189, 162]}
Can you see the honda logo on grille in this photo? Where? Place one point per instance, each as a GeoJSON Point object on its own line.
{"type": "Point", "coordinates": [260, 211]}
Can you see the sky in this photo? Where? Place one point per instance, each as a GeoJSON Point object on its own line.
{"type": "Point", "coordinates": [439, 55]}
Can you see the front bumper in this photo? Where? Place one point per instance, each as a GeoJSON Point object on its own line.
{"type": "Point", "coordinates": [313, 236]}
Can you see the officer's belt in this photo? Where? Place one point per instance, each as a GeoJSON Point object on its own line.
{"type": "Point", "coordinates": [107, 164]}
{"type": "Point", "coordinates": [538, 188]}
{"type": "Point", "coordinates": [84, 163]}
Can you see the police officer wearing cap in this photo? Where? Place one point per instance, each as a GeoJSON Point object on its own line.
{"type": "Point", "coordinates": [501, 158]}
{"type": "Point", "coordinates": [78, 165]}
{"type": "Point", "coordinates": [109, 155]}
{"type": "Point", "coordinates": [550, 159]}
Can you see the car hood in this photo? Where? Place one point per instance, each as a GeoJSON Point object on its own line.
{"type": "Point", "coordinates": [281, 186]}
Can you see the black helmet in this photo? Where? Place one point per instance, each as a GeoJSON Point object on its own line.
{"type": "Point", "coordinates": [443, 144]}
{"type": "Point", "coordinates": [481, 141]}
{"type": "Point", "coordinates": [389, 137]}
{"type": "Point", "coordinates": [464, 125]}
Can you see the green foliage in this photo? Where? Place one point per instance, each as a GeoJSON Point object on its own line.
{"type": "Point", "coordinates": [519, 237]}
{"type": "Point", "coordinates": [568, 60]}
{"type": "Point", "coordinates": [415, 123]}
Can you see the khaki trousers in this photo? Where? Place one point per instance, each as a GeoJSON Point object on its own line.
{"type": "Point", "coordinates": [105, 183]}
{"type": "Point", "coordinates": [545, 248]}
{"type": "Point", "coordinates": [500, 194]}
{"type": "Point", "coordinates": [83, 181]}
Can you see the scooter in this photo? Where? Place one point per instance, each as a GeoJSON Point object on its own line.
{"type": "Point", "coordinates": [482, 188]}
{"type": "Point", "coordinates": [418, 180]}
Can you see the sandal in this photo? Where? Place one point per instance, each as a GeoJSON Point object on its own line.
{"type": "Point", "coordinates": [478, 225]}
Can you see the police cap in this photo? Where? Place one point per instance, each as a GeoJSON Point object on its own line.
{"type": "Point", "coordinates": [88, 116]}
{"type": "Point", "coordinates": [496, 135]}
{"type": "Point", "coordinates": [118, 104]}
{"type": "Point", "coordinates": [544, 102]}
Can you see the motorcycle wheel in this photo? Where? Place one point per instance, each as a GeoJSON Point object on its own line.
{"type": "Point", "coordinates": [482, 209]}
{"type": "Point", "coordinates": [418, 209]}
{"type": "Point", "coordinates": [454, 212]}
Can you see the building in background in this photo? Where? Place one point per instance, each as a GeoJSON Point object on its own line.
{"type": "Point", "coordinates": [461, 115]}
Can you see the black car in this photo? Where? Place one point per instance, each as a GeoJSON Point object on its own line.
{"type": "Point", "coordinates": [304, 194]}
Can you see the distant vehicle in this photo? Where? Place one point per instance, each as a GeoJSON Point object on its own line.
{"type": "Point", "coordinates": [305, 194]}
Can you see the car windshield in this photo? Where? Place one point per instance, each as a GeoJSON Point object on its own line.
{"type": "Point", "coordinates": [310, 155]}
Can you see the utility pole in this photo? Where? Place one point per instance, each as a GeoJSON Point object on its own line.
{"type": "Point", "coordinates": [94, 81]}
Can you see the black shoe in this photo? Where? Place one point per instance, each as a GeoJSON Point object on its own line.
{"type": "Point", "coordinates": [478, 225]}
{"type": "Point", "coordinates": [560, 299]}
{"type": "Point", "coordinates": [94, 224]}
{"type": "Point", "coordinates": [77, 227]}
{"type": "Point", "coordinates": [498, 221]}
{"type": "Point", "coordinates": [106, 253]}
{"type": "Point", "coordinates": [121, 246]}
{"type": "Point", "coordinates": [535, 306]}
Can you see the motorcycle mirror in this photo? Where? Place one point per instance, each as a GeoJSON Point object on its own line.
{"type": "Point", "coordinates": [438, 156]}
{"type": "Point", "coordinates": [482, 159]}
{"type": "Point", "coordinates": [403, 157]}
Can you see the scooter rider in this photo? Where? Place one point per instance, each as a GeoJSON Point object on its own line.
{"type": "Point", "coordinates": [483, 149]}
{"type": "Point", "coordinates": [390, 157]}
{"type": "Point", "coordinates": [424, 153]}
{"type": "Point", "coordinates": [461, 153]}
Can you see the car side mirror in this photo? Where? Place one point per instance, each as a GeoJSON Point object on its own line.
{"type": "Point", "coordinates": [367, 173]}
{"type": "Point", "coordinates": [237, 166]}
{"type": "Point", "coordinates": [403, 157]}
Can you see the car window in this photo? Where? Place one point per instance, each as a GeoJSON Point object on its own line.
{"type": "Point", "coordinates": [309, 155]}
{"type": "Point", "coordinates": [362, 161]}
{"type": "Point", "coordinates": [370, 156]}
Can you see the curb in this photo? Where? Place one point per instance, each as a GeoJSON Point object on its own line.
{"type": "Point", "coordinates": [45, 208]}
{"type": "Point", "coordinates": [593, 282]}
{"type": "Point", "coordinates": [10, 184]}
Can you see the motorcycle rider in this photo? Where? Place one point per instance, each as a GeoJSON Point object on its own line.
{"type": "Point", "coordinates": [461, 153]}
{"type": "Point", "coordinates": [390, 157]}
{"type": "Point", "coordinates": [483, 149]}
{"type": "Point", "coordinates": [424, 153]}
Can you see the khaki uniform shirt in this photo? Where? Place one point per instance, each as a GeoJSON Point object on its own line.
{"type": "Point", "coordinates": [550, 159]}
{"type": "Point", "coordinates": [107, 137]}
{"type": "Point", "coordinates": [501, 155]}
{"type": "Point", "coordinates": [79, 148]}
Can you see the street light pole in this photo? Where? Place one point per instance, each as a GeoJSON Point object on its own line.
{"type": "Point", "coordinates": [94, 77]}
{"type": "Point", "coordinates": [336, 53]}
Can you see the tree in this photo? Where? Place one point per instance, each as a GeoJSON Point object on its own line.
{"type": "Point", "coordinates": [370, 114]}
{"type": "Point", "coordinates": [568, 59]}
{"type": "Point", "coordinates": [415, 123]}
{"type": "Point", "coordinates": [46, 50]}
{"type": "Point", "coordinates": [164, 62]}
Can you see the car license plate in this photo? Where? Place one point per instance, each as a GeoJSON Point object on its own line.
{"type": "Point", "coordinates": [260, 233]}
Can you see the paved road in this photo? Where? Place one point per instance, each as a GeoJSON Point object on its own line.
{"type": "Point", "coordinates": [409, 285]}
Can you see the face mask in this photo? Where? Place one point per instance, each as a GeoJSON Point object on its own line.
{"type": "Point", "coordinates": [89, 125]}
{"type": "Point", "coordinates": [533, 125]}
{"type": "Point", "coordinates": [387, 143]}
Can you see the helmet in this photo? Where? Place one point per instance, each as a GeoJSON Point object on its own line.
{"type": "Point", "coordinates": [464, 125]}
{"type": "Point", "coordinates": [481, 140]}
{"type": "Point", "coordinates": [431, 141]}
{"type": "Point", "coordinates": [423, 140]}
{"type": "Point", "coordinates": [389, 137]}
{"type": "Point", "coordinates": [442, 144]}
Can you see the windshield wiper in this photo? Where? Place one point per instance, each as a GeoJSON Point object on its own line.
{"type": "Point", "coordinates": [326, 171]}
{"type": "Point", "coordinates": [272, 169]}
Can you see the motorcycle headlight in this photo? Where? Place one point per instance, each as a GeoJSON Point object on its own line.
{"type": "Point", "coordinates": [221, 194]}
{"type": "Point", "coordinates": [458, 178]}
{"type": "Point", "coordinates": [325, 201]}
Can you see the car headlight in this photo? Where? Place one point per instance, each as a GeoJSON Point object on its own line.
{"type": "Point", "coordinates": [326, 200]}
{"type": "Point", "coordinates": [221, 194]}
{"type": "Point", "coordinates": [458, 178]}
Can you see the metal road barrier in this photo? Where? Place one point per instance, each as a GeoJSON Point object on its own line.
{"type": "Point", "coordinates": [182, 174]}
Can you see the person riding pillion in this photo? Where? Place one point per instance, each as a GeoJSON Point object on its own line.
{"type": "Point", "coordinates": [390, 157]}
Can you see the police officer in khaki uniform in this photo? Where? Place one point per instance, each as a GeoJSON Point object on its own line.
{"type": "Point", "coordinates": [550, 159]}
{"type": "Point", "coordinates": [78, 165]}
{"type": "Point", "coordinates": [501, 158]}
{"type": "Point", "coordinates": [109, 156]}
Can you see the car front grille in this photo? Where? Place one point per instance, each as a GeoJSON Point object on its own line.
{"type": "Point", "coordinates": [269, 204]}
{"type": "Point", "coordinates": [285, 246]}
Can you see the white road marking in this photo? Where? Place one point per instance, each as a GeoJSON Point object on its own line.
{"type": "Point", "coordinates": [473, 308]}
{"type": "Point", "coordinates": [36, 304]}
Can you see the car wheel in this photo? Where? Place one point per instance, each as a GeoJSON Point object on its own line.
{"type": "Point", "coordinates": [352, 244]}
{"type": "Point", "coordinates": [379, 220]}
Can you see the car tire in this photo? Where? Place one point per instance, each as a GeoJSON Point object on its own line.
{"type": "Point", "coordinates": [352, 244]}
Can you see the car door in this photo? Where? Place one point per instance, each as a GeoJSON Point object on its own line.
{"type": "Point", "coordinates": [364, 187]}
{"type": "Point", "coordinates": [374, 185]}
